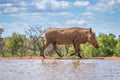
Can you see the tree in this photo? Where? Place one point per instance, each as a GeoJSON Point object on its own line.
{"type": "Point", "coordinates": [88, 50]}
{"type": "Point", "coordinates": [16, 44]}
{"type": "Point", "coordinates": [117, 49]}
{"type": "Point", "coordinates": [1, 43]}
{"type": "Point", "coordinates": [22, 44]}
{"type": "Point", "coordinates": [107, 44]}
{"type": "Point", "coordinates": [1, 31]}
{"type": "Point", "coordinates": [35, 33]}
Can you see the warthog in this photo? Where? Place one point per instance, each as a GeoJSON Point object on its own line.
{"type": "Point", "coordinates": [64, 36]}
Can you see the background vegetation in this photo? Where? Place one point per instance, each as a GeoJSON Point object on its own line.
{"type": "Point", "coordinates": [19, 45]}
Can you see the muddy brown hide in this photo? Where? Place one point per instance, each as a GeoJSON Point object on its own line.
{"type": "Point", "coordinates": [64, 36]}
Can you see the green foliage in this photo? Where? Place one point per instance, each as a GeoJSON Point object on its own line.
{"type": "Point", "coordinates": [1, 31]}
{"type": "Point", "coordinates": [15, 44]}
{"type": "Point", "coordinates": [88, 50]}
{"type": "Point", "coordinates": [1, 43]}
{"type": "Point", "coordinates": [117, 48]}
{"type": "Point", "coordinates": [107, 44]}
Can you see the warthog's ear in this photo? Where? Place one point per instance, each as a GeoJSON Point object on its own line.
{"type": "Point", "coordinates": [90, 30]}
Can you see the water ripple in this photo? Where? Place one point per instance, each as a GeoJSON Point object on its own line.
{"type": "Point", "coordinates": [53, 69]}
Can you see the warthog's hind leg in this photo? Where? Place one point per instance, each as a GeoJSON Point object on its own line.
{"type": "Point", "coordinates": [42, 54]}
{"type": "Point", "coordinates": [55, 48]}
{"type": "Point", "coordinates": [43, 48]}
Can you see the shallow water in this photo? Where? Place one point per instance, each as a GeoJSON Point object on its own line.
{"type": "Point", "coordinates": [54, 69]}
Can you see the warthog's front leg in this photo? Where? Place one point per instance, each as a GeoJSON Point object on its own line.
{"type": "Point", "coordinates": [79, 55]}
{"type": "Point", "coordinates": [77, 49]}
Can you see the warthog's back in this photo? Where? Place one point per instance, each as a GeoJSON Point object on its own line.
{"type": "Point", "coordinates": [62, 35]}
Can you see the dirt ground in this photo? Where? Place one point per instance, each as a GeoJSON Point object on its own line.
{"type": "Point", "coordinates": [104, 58]}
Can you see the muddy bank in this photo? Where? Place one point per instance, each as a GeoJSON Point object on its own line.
{"type": "Point", "coordinates": [104, 58]}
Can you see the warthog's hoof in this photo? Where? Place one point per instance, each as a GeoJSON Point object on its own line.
{"type": "Point", "coordinates": [60, 55]}
{"type": "Point", "coordinates": [42, 55]}
{"type": "Point", "coordinates": [80, 56]}
{"type": "Point", "coordinates": [72, 54]}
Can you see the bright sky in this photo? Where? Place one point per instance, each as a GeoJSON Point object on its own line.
{"type": "Point", "coordinates": [103, 16]}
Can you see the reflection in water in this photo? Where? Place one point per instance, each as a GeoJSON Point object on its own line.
{"type": "Point", "coordinates": [54, 69]}
{"type": "Point", "coordinates": [76, 63]}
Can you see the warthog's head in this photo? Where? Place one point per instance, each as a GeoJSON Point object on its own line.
{"type": "Point", "coordinates": [92, 38]}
